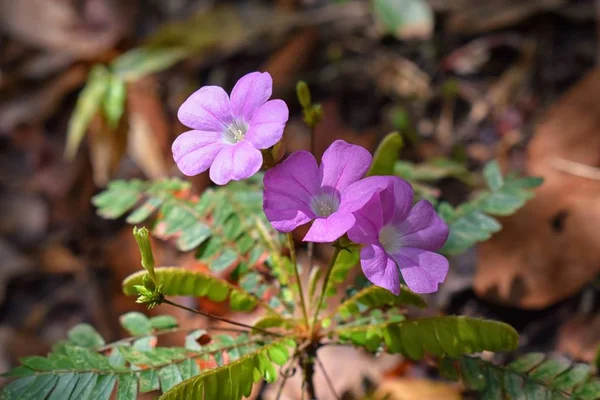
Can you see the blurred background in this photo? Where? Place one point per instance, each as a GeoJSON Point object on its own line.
{"type": "Point", "coordinates": [464, 81]}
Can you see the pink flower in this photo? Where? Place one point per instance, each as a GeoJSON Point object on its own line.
{"type": "Point", "coordinates": [298, 191]}
{"type": "Point", "coordinates": [228, 133]}
{"type": "Point", "coordinates": [398, 237]}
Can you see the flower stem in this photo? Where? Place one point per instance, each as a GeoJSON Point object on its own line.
{"type": "Point", "coordinates": [292, 247]}
{"type": "Point", "coordinates": [216, 317]}
{"type": "Point", "coordinates": [324, 288]}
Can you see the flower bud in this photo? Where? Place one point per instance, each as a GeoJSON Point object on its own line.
{"type": "Point", "coordinates": [303, 94]}
{"type": "Point", "coordinates": [142, 236]}
{"type": "Point", "coordinates": [148, 283]}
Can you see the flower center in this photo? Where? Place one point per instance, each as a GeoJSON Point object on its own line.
{"type": "Point", "coordinates": [389, 238]}
{"type": "Point", "coordinates": [235, 132]}
{"type": "Point", "coordinates": [325, 204]}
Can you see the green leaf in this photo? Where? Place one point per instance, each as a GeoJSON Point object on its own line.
{"type": "Point", "coordinates": [85, 335]}
{"type": "Point", "coordinates": [169, 377]}
{"type": "Point", "coordinates": [530, 377]}
{"type": "Point", "coordinates": [226, 226]}
{"type": "Point", "coordinates": [113, 103]}
{"type": "Point", "coordinates": [104, 387]}
{"type": "Point", "coordinates": [345, 261]}
{"type": "Point", "coordinates": [452, 336]}
{"type": "Point", "coordinates": [432, 170]}
{"type": "Point", "coordinates": [234, 380]}
{"type": "Point", "coordinates": [184, 282]}
{"type": "Point", "coordinates": [386, 155]}
{"type": "Point", "coordinates": [493, 175]}
{"type": "Point", "coordinates": [471, 222]}
{"type": "Point", "coordinates": [136, 323]}
{"type": "Point", "coordinates": [127, 389]}
{"type": "Point", "coordinates": [374, 297]}
{"type": "Point", "coordinates": [404, 18]}
{"type": "Point", "coordinates": [143, 61]}
{"type": "Point", "coordinates": [87, 106]}
{"type": "Point", "coordinates": [162, 322]}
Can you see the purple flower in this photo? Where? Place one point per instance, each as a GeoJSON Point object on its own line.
{"type": "Point", "coordinates": [398, 236]}
{"type": "Point", "coordinates": [298, 191]}
{"type": "Point", "coordinates": [228, 133]}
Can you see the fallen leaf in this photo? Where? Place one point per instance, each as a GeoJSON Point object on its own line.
{"type": "Point", "coordinates": [58, 259]}
{"type": "Point", "coordinates": [82, 29]}
{"type": "Point", "coordinates": [476, 16]}
{"type": "Point", "coordinates": [550, 248]}
{"type": "Point", "coordinates": [148, 137]}
{"type": "Point", "coordinates": [417, 389]}
{"type": "Point", "coordinates": [579, 337]}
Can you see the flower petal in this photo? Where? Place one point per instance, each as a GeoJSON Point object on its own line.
{"type": "Point", "coordinates": [356, 195]}
{"type": "Point", "coordinates": [289, 190]}
{"type": "Point", "coordinates": [343, 164]}
{"type": "Point", "coordinates": [379, 268]}
{"type": "Point", "coordinates": [235, 162]}
{"type": "Point", "coordinates": [396, 200]}
{"type": "Point", "coordinates": [194, 151]}
{"type": "Point", "coordinates": [207, 109]}
{"type": "Point", "coordinates": [249, 93]}
{"type": "Point", "coordinates": [368, 222]}
{"type": "Point", "coordinates": [423, 228]}
{"type": "Point", "coordinates": [422, 270]}
{"type": "Point", "coordinates": [327, 230]}
{"type": "Point", "coordinates": [267, 124]}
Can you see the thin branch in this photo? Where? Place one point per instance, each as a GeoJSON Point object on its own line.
{"type": "Point", "coordinates": [292, 247]}
{"type": "Point", "coordinates": [328, 379]}
{"type": "Point", "coordinates": [286, 375]}
{"type": "Point", "coordinates": [215, 317]}
{"type": "Point", "coordinates": [325, 283]}
{"type": "Point", "coordinates": [162, 333]}
{"type": "Point", "coordinates": [575, 168]}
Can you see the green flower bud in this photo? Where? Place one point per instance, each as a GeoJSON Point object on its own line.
{"type": "Point", "coordinates": [303, 94]}
{"type": "Point", "coordinates": [148, 283]}
{"type": "Point", "coordinates": [142, 236]}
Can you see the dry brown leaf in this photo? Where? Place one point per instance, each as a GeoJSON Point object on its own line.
{"type": "Point", "coordinates": [82, 28]}
{"type": "Point", "coordinates": [148, 136]}
{"type": "Point", "coordinates": [478, 16]}
{"type": "Point", "coordinates": [107, 147]}
{"type": "Point", "coordinates": [417, 389]}
{"type": "Point", "coordinates": [550, 248]}
{"type": "Point", "coordinates": [579, 337]}
{"type": "Point", "coordinates": [288, 61]}
{"type": "Point", "coordinates": [58, 259]}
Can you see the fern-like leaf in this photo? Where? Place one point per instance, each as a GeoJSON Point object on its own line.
{"type": "Point", "coordinates": [132, 365]}
{"type": "Point", "coordinates": [439, 336]}
{"type": "Point", "coordinates": [234, 380]}
{"type": "Point", "coordinates": [183, 282]}
{"type": "Point", "coordinates": [226, 225]}
{"type": "Point", "coordinates": [532, 376]}
{"type": "Point", "coordinates": [472, 222]}
{"type": "Point", "coordinates": [375, 297]}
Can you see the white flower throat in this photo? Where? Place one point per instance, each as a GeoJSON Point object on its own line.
{"type": "Point", "coordinates": [235, 132]}
{"type": "Point", "coordinates": [389, 237]}
{"type": "Point", "coordinates": [325, 204]}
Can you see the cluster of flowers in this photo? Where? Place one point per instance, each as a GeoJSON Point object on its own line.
{"type": "Point", "coordinates": [376, 212]}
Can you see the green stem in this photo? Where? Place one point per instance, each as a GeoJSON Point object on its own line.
{"type": "Point", "coordinates": [292, 247]}
{"type": "Point", "coordinates": [216, 317]}
{"type": "Point", "coordinates": [325, 283]}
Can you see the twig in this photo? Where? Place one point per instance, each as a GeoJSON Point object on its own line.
{"type": "Point", "coordinates": [328, 379]}
{"type": "Point", "coordinates": [162, 333]}
{"type": "Point", "coordinates": [575, 168]}
{"type": "Point", "coordinates": [215, 317]}
{"type": "Point", "coordinates": [324, 288]}
{"type": "Point", "coordinates": [292, 247]}
{"type": "Point", "coordinates": [286, 375]}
